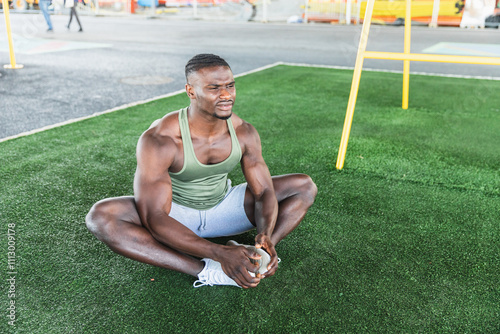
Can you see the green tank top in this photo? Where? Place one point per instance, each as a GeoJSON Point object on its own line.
{"type": "Point", "coordinates": [200, 186]}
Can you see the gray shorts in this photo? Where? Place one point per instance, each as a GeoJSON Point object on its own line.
{"type": "Point", "coordinates": [225, 219]}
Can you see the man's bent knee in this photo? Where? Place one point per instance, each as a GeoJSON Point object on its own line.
{"type": "Point", "coordinates": [104, 215]}
{"type": "Point", "coordinates": [97, 218]}
{"type": "Point", "coordinates": [307, 188]}
{"type": "Point", "coordinates": [312, 189]}
{"type": "Point", "coordinates": [296, 185]}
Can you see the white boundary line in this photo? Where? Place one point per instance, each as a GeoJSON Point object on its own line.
{"type": "Point", "coordinates": [394, 71]}
{"type": "Point", "coordinates": [259, 69]}
{"type": "Point", "coordinates": [128, 105]}
{"type": "Point", "coordinates": [74, 120]}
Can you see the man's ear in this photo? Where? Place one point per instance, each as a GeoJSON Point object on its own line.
{"type": "Point", "coordinates": [190, 91]}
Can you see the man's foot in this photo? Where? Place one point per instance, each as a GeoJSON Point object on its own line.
{"type": "Point", "coordinates": [212, 274]}
{"type": "Point", "coordinates": [264, 260]}
{"type": "Point", "coordinates": [50, 30]}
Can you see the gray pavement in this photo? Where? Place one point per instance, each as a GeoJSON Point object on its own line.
{"type": "Point", "coordinates": [119, 60]}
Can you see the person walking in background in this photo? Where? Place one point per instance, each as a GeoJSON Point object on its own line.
{"type": "Point", "coordinates": [71, 4]}
{"type": "Point", "coordinates": [44, 7]}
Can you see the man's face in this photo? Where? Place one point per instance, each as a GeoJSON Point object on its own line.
{"type": "Point", "coordinates": [212, 90]}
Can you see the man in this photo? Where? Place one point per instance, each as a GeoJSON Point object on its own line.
{"type": "Point", "coordinates": [44, 7]}
{"type": "Point", "coordinates": [182, 194]}
{"type": "Point", "coordinates": [71, 4]}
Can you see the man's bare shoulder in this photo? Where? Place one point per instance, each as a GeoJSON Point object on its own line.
{"type": "Point", "coordinates": [246, 133]}
{"type": "Point", "coordinates": [160, 143]}
{"type": "Point", "coordinates": [243, 128]}
{"type": "Point", "coordinates": [163, 131]}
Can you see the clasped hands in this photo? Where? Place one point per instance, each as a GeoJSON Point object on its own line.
{"type": "Point", "coordinates": [236, 262]}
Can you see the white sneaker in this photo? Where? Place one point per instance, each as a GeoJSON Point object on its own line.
{"type": "Point", "coordinates": [212, 274]}
{"type": "Point", "coordinates": [264, 260]}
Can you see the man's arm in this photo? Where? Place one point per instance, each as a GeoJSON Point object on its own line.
{"type": "Point", "coordinates": [153, 196]}
{"type": "Point", "coordinates": [261, 186]}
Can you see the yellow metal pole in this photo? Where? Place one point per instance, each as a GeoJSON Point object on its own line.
{"type": "Point", "coordinates": [355, 84]}
{"type": "Point", "coordinates": [12, 64]}
{"type": "Point", "coordinates": [406, 63]}
{"type": "Point", "coordinates": [477, 60]}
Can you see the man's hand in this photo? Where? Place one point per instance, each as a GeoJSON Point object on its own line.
{"type": "Point", "coordinates": [235, 261]}
{"type": "Point", "coordinates": [263, 241]}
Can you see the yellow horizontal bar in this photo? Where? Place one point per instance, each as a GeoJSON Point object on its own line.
{"type": "Point", "coordinates": [433, 58]}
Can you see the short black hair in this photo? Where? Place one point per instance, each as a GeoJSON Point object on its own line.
{"type": "Point", "coordinates": [204, 60]}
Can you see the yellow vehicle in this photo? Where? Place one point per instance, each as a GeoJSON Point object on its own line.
{"type": "Point", "coordinates": [450, 11]}
{"type": "Point", "coordinates": [388, 11]}
{"type": "Point", "coordinates": [21, 4]}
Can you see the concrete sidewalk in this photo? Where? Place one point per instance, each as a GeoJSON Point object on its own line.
{"type": "Point", "coordinates": [120, 60]}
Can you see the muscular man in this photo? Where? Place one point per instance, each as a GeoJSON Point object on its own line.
{"type": "Point", "coordinates": [182, 194]}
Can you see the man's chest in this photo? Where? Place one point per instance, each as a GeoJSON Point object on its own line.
{"type": "Point", "coordinates": [209, 151]}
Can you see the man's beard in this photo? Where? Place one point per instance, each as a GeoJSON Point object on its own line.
{"type": "Point", "coordinates": [223, 117]}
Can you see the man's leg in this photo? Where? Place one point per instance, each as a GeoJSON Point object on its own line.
{"type": "Point", "coordinates": [295, 194]}
{"type": "Point", "coordinates": [73, 11]}
{"type": "Point", "coordinates": [70, 17]}
{"type": "Point", "coordinates": [115, 222]}
{"type": "Point", "coordinates": [44, 7]}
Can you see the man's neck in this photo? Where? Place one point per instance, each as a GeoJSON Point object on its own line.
{"type": "Point", "coordinates": [205, 125]}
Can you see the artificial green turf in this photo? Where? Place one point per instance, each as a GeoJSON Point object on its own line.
{"type": "Point", "coordinates": [404, 239]}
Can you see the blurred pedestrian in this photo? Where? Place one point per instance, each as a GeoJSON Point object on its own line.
{"type": "Point", "coordinates": [71, 4]}
{"type": "Point", "coordinates": [44, 7]}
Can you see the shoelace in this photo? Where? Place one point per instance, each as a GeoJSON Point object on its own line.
{"type": "Point", "coordinates": [211, 274]}
{"type": "Point", "coordinates": [201, 283]}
